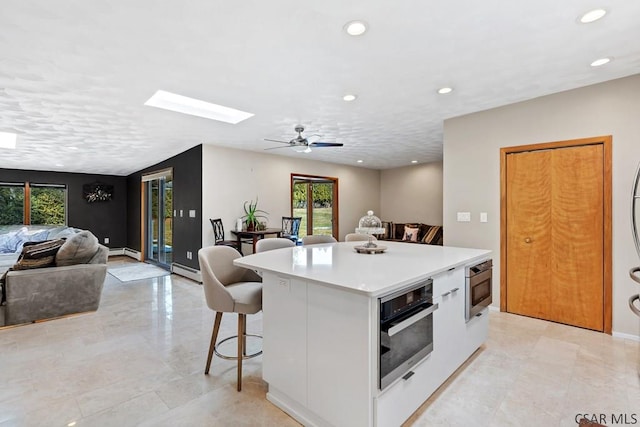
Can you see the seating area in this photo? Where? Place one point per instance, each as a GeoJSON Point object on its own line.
{"type": "Point", "coordinates": [54, 278]}
{"type": "Point", "coordinates": [412, 233]}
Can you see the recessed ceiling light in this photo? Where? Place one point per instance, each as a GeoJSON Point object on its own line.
{"type": "Point", "coordinates": [360, 161]}
{"type": "Point", "coordinates": [414, 161]}
{"type": "Point", "coordinates": [73, 148]}
{"type": "Point", "coordinates": [592, 15]}
{"type": "Point", "coordinates": [349, 97]}
{"type": "Point", "coordinates": [601, 61]}
{"type": "Point", "coordinates": [8, 140]}
{"type": "Point", "coordinates": [355, 28]}
{"type": "Point", "coordinates": [444, 90]}
{"type": "Point", "coordinates": [59, 165]}
{"type": "Point", "coordinates": [196, 107]}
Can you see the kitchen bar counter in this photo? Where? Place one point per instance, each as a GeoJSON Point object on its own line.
{"type": "Point", "coordinates": [339, 265]}
{"type": "Point", "coordinates": [321, 336]}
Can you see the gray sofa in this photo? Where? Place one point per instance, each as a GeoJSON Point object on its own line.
{"type": "Point", "coordinates": [49, 292]}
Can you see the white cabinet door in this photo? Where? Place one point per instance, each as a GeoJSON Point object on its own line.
{"type": "Point", "coordinates": [449, 322]}
{"type": "Point", "coordinates": [284, 347]}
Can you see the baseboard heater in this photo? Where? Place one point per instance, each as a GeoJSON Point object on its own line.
{"type": "Point", "coordinates": [133, 254]}
{"type": "Point", "coordinates": [188, 272]}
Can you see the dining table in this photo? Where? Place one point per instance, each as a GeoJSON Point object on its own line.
{"type": "Point", "coordinates": [255, 235]}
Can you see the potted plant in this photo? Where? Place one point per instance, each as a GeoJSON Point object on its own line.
{"type": "Point", "coordinates": [252, 214]}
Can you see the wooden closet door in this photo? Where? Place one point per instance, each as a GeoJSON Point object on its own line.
{"type": "Point", "coordinates": [555, 232]}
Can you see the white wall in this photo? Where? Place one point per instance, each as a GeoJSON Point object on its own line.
{"type": "Point", "coordinates": [229, 177]}
{"type": "Point", "coordinates": [472, 169]}
{"type": "Point", "coordinates": [412, 194]}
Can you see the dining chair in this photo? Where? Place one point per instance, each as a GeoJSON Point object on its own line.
{"type": "Point", "coordinates": [218, 235]}
{"type": "Point", "coordinates": [291, 227]}
{"type": "Point", "coordinates": [264, 245]}
{"type": "Point", "coordinates": [229, 289]}
{"type": "Point", "coordinates": [358, 237]}
{"type": "Point", "coordinates": [315, 239]}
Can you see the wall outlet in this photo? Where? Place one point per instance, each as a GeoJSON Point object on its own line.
{"type": "Point", "coordinates": [192, 213]}
{"type": "Point", "coordinates": [189, 255]}
{"type": "Point", "coordinates": [106, 240]}
{"type": "Point", "coordinates": [483, 217]}
{"type": "Point", "coordinates": [284, 284]}
{"type": "Point", "coordinates": [181, 213]}
{"type": "Point", "coordinates": [464, 216]}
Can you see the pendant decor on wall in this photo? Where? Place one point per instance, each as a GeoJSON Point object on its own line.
{"type": "Point", "coordinates": [97, 192]}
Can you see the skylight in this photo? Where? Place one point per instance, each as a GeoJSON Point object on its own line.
{"type": "Point", "coordinates": [195, 107]}
{"type": "Point", "coordinates": [8, 140]}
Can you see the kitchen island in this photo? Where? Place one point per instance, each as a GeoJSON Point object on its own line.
{"type": "Point", "coordinates": [321, 328]}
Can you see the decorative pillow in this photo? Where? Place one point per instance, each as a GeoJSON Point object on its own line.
{"type": "Point", "coordinates": [38, 254]}
{"type": "Point", "coordinates": [60, 232]}
{"type": "Point", "coordinates": [388, 230]}
{"type": "Point", "coordinates": [78, 249]}
{"type": "Point", "coordinates": [410, 234]}
{"type": "Point", "coordinates": [431, 234]}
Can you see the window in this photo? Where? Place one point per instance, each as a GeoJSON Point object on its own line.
{"type": "Point", "coordinates": [48, 204]}
{"type": "Point", "coordinates": [11, 204]}
{"type": "Point", "coordinates": [37, 204]}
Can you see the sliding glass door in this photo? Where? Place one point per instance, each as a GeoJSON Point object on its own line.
{"type": "Point", "coordinates": [159, 220]}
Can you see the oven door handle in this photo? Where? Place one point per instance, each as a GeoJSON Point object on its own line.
{"type": "Point", "coordinates": [411, 320]}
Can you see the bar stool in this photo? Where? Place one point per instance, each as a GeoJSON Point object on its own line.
{"type": "Point", "coordinates": [229, 289]}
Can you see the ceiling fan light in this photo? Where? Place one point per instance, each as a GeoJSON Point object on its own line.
{"type": "Point", "coordinates": [301, 148]}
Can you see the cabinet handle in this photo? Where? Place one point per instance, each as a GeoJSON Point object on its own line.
{"type": "Point", "coordinates": [455, 289]}
{"type": "Point", "coordinates": [527, 240]}
{"type": "Point", "coordinates": [446, 293]}
{"type": "Point", "coordinates": [408, 375]}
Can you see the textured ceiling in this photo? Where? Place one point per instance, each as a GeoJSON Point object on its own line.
{"type": "Point", "coordinates": [74, 75]}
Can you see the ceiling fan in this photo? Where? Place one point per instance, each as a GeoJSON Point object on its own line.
{"type": "Point", "coordinates": [301, 144]}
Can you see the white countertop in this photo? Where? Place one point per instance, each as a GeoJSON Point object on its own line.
{"type": "Point", "coordinates": [339, 265]}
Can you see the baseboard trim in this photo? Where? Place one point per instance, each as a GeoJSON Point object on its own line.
{"type": "Point", "coordinates": [188, 272]}
{"type": "Point", "coordinates": [626, 336]}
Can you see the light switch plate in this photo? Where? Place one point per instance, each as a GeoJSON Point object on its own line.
{"type": "Point", "coordinates": [483, 217]}
{"type": "Point", "coordinates": [464, 216]}
{"type": "Point", "coordinates": [192, 213]}
{"type": "Point", "coordinates": [181, 213]}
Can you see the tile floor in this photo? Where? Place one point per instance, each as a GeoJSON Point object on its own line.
{"type": "Point", "coordinates": [139, 361]}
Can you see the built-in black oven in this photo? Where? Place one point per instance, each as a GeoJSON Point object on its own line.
{"type": "Point", "coordinates": [406, 330]}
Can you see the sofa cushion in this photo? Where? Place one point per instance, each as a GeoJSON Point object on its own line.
{"type": "Point", "coordinates": [410, 233]}
{"type": "Point", "coordinates": [78, 249]}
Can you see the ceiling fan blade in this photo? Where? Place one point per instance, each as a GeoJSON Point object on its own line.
{"type": "Point", "coordinates": [326, 144]}
{"type": "Point", "coordinates": [275, 140]}
{"type": "Point", "coordinates": [284, 146]}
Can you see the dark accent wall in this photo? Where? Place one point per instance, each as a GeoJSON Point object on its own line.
{"type": "Point", "coordinates": [104, 219]}
{"type": "Point", "coordinates": [187, 195]}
